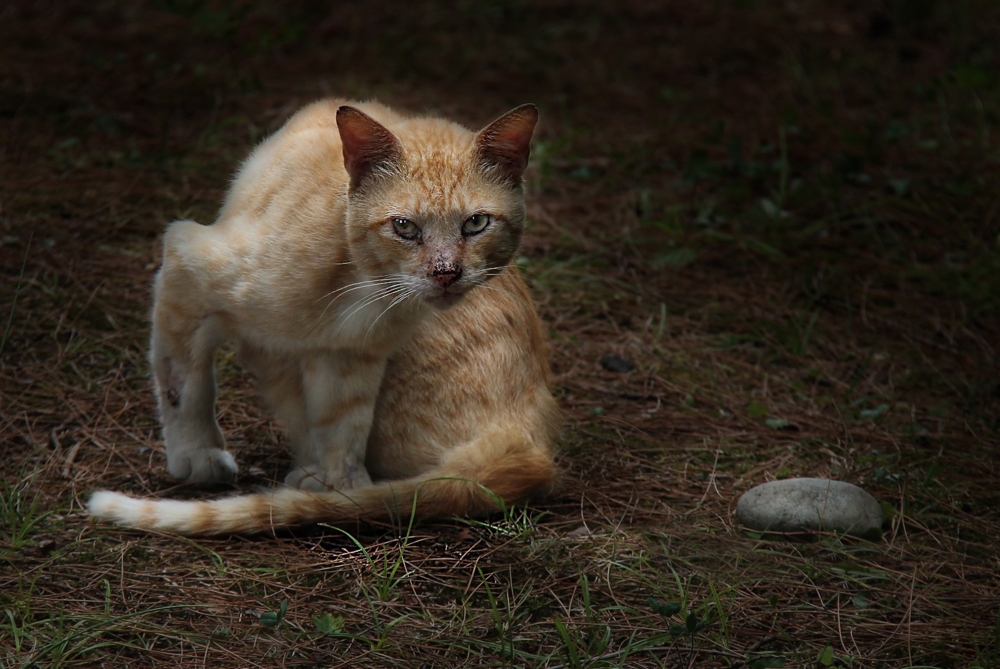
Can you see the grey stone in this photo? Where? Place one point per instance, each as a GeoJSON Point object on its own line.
{"type": "Point", "coordinates": [808, 505]}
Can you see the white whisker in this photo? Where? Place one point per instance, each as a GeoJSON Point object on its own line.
{"type": "Point", "coordinates": [370, 299]}
{"type": "Point", "coordinates": [359, 284]}
{"type": "Point", "coordinates": [408, 293]}
{"type": "Point", "coordinates": [493, 271]}
{"type": "Point", "coordinates": [378, 282]}
{"type": "Point", "coordinates": [515, 297]}
{"type": "Point", "coordinates": [330, 303]}
{"type": "Point", "coordinates": [395, 289]}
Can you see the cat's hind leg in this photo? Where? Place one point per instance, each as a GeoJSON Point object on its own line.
{"type": "Point", "coordinates": [185, 334]}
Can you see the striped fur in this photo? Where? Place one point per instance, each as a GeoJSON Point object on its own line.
{"type": "Point", "coordinates": [516, 473]}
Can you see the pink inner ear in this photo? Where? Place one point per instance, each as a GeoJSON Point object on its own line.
{"type": "Point", "coordinates": [506, 142]}
{"type": "Point", "coordinates": [367, 144]}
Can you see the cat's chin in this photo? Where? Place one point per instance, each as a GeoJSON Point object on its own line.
{"type": "Point", "coordinates": [444, 300]}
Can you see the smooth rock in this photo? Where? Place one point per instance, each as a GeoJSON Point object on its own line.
{"type": "Point", "coordinates": [808, 505]}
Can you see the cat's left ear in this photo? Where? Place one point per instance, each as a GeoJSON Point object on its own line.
{"type": "Point", "coordinates": [506, 143]}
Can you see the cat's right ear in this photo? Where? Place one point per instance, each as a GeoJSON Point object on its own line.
{"type": "Point", "coordinates": [369, 149]}
{"type": "Point", "coordinates": [505, 144]}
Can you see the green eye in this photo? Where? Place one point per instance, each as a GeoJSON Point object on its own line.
{"type": "Point", "coordinates": [405, 228]}
{"type": "Point", "coordinates": [475, 224]}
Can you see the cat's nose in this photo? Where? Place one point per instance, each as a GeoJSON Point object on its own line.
{"type": "Point", "coordinates": [446, 273]}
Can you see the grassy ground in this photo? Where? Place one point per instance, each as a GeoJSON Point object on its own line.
{"type": "Point", "coordinates": [785, 214]}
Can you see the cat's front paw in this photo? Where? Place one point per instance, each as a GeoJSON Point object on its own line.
{"type": "Point", "coordinates": [205, 465]}
{"type": "Point", "coordinates": [315, 479]}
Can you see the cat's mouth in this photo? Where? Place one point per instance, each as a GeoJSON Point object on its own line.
{"type": "Point", "coordinates": [448, 286]}
{"type": "Point", "coordinates": [445, 299]}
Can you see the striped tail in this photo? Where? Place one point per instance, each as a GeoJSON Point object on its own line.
{"type": "Point", "coordinates": [461, 487]}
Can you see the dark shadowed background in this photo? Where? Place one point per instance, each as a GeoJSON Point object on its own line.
{"type": "Point", "coordinates": [782, 217]}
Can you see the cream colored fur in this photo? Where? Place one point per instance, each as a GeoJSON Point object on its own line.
{"type": "Point", "coordinates": [361, 262]}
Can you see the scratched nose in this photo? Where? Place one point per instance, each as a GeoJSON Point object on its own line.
{"type": "Point", "coordinates": [446, 274]}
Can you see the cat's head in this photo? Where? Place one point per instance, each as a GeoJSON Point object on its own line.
{"type": "Point", "coordinates": [432, 205]}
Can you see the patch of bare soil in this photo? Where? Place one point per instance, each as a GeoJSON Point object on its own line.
{"type": "Point", "coordinates": [785, 216]}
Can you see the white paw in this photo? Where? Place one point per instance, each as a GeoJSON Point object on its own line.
{"type": "Point", "coordinates": [315, 479]}
{"type": "Point", "coordinates": [205, 465]}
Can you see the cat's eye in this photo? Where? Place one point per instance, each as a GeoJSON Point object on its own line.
{"type": "Point", "coordinates": [475, 224]}
{"type": "Point", "coordinates": [405, 228]}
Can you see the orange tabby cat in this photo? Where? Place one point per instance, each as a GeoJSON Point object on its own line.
{"type": "Point", "coordinates": [362, 263]}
